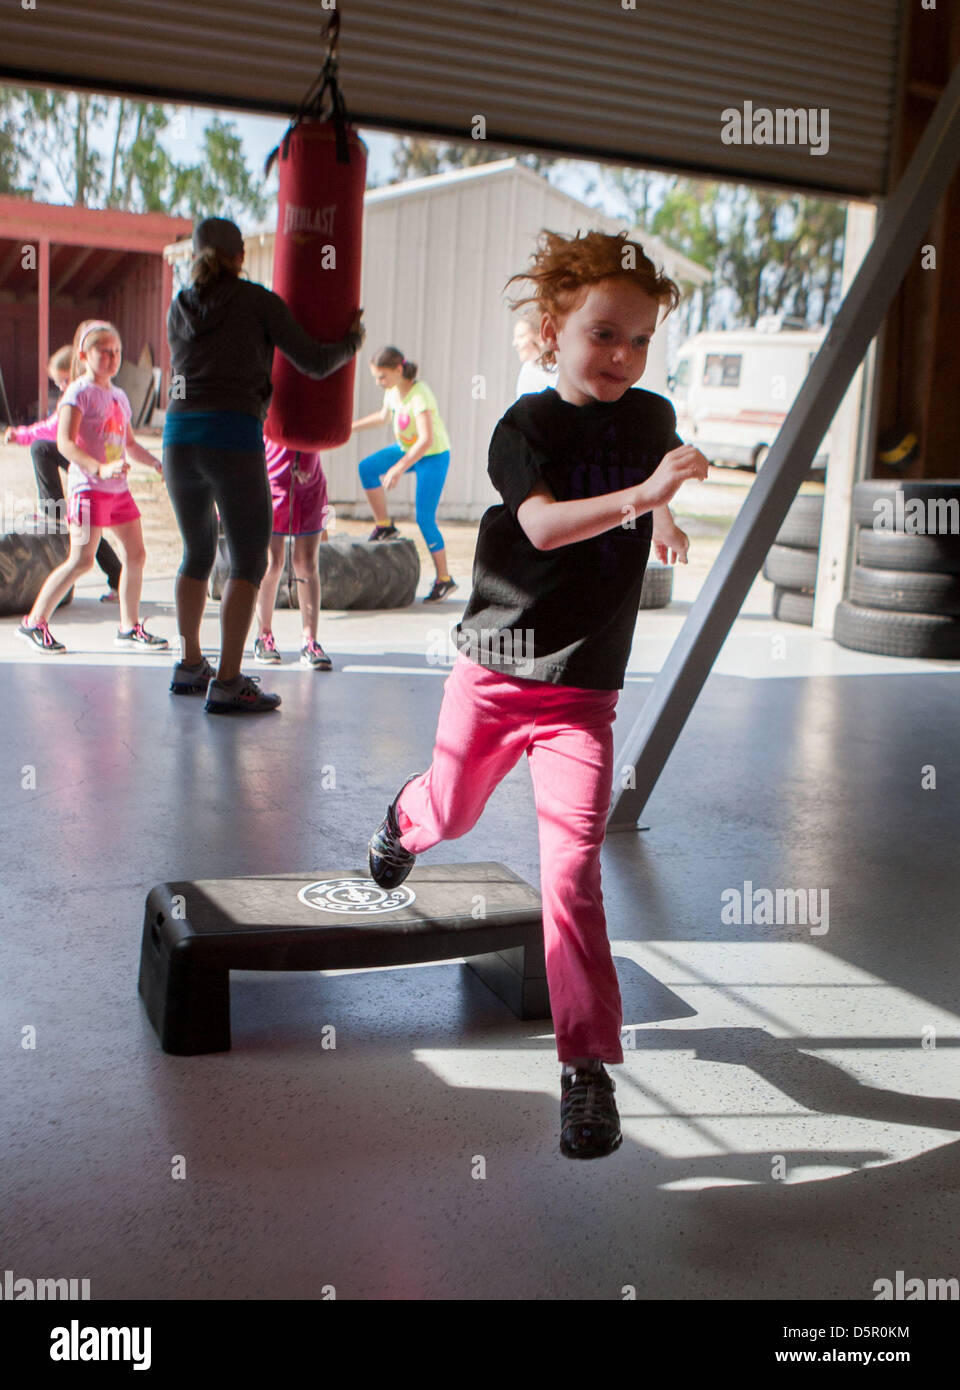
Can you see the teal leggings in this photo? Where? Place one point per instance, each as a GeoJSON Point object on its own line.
{"type": "Point", "coordinates": [431, 475]}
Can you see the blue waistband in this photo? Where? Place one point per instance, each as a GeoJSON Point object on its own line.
{"type": "Point", "coordinates": [218, 429]}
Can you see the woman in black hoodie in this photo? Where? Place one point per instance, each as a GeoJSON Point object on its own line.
{"type": "Point", "coordinates": [222, 333]}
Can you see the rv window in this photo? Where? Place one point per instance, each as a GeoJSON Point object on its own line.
{"type": "Point", "coordinates": [722, 369]}
{"type": "Point", "coordinates": [682, 377]}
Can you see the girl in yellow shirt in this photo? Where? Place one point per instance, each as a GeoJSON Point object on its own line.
{"type": "Point", "coordinates": [422, 444]}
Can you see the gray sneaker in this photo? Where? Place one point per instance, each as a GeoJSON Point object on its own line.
{"type": "Point", "coordinates": [243, 696]}
{"type": "Point", "coordinates": [192, 680]}
{"type": "Point", "coordinates": [139, 639]}
{"type": "Point", "coordinates": [40, 637]}
{"type": "Point", "coordinates": [312, 654]}
{"type": "Point", "coordinates": [265, 651]}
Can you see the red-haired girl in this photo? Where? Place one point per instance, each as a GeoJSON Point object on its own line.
{"type": "Point", "coordinates": [585, 470]}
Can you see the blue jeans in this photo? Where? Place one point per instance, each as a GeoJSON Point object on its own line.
{"type": "Point", "coordinates": [431, 473]}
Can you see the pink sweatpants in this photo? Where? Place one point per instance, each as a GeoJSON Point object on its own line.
{"type": "Point", "coordinates": [487, 720]}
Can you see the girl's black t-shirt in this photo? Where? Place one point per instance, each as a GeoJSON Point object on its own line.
{"type": "Point", "coordinates": [565, 615]}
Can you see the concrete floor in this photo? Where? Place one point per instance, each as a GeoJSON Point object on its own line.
{"type": "Point", "coordinates": [787, 1134]}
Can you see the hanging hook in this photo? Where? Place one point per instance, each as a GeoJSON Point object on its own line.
{"type": "Point", "coordinates": [312, 104]}
{"type": "Point", "coordinates": [332, 36]}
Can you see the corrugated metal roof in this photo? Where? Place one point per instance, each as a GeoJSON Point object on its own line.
{"type": "Point", "coordinates": [644, 85]}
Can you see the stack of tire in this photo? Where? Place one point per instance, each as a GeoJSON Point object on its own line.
{"type": "Point", "coordinates": [791, 563]}
{"type": "Point", "coordinates": [657, 590]}
{"type": "Point", "coordinates": [905, 586]}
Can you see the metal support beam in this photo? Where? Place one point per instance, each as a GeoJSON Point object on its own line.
{"type": "Point", "coordinates": [907, 215]}
{"type": "Point", "coordinates": [852, 442]}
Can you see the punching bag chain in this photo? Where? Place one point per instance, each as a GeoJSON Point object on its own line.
{"type": "Point", "coordinates": [311, 107]}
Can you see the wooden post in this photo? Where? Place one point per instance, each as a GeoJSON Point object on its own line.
{"type": "Point", "coordinates": [43, 325]}
{"type": "Point", "coordinates": [166, 295]}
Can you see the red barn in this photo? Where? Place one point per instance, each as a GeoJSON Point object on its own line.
{"type": "Point", "coordinates": [59, 265]}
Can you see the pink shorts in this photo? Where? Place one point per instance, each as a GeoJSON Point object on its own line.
{"type": "Point", "coordinates": [95, 508]}
{"type": "Point", "coordinates": [307, 515]}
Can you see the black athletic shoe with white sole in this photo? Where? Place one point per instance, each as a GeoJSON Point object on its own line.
{"type": "Point", "coordinates": [441, 588]}
{"type": "Point", "coordinates": [589, 1121]}
{"type": "Point", "coordinates": [389, 861]}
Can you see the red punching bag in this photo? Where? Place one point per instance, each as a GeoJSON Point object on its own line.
{"type": "Point", "coordinates": [316, 267]}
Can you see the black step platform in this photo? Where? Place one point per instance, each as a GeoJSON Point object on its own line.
{"type": "Point", "coordinates": [195, 933]}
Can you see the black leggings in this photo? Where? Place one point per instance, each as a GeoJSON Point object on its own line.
{"type": "Point", "coordinates": [47, 462]}
{"type": "Point", "coordinates": [198, 477]}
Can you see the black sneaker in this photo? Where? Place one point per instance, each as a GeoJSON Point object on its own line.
{"type": "Point", "coordinates": [389, 861]}
{"type": "Point", "coordinates": [441, 587]}
{"type": "Point", "coordinates": [384, 533]}
{"type": "Point", "coordinates": [40, 637]}
{"type": "Point", "coordinates": [589, 1122]}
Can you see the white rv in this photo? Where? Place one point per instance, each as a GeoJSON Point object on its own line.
{"type": "Point", "coordinates": [732, 390]}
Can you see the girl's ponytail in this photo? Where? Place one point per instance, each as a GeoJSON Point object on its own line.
{"type": "Point", "coordinates": [393, 357]}
{"type": "Point", "coordinates": [208, 266]}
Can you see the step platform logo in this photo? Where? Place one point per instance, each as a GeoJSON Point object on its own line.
{"type": "Point", "coordinates": [356, 896]}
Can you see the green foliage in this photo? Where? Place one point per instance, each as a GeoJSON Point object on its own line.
{"type": "Point", "coordinates": [138, 175]}
{"type": "Point", "coordinates": [771, 252]}
{"type": "Point", "coordinates": [12, 147]}
{"type": "Point", "coordinates": [220, 184]}
{"type": "Point", "coordinates": [141, 171]}
{"type": "Point", "coordinates": [58, 127]}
